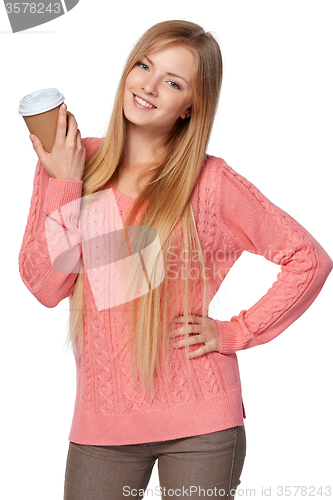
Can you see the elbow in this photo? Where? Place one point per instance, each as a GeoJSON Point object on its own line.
{"type": "Point", "coordinates": [325, 264]}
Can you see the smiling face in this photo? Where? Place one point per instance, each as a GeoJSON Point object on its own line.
{"type": "Point", "coordinates": [158, 90]}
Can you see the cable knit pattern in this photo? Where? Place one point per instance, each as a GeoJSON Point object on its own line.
{"type": "Point", "coordinates": [204, 394]}
{"type": "Point", "coordinates": [258, 226]}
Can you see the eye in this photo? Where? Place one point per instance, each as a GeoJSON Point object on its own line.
{"type": "Point", "coordinates": [174, 85]}
{"type": "Point", "coordinates": [141, 65]}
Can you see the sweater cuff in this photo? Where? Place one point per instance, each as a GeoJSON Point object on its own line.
{"type": "Point", "coordinates": [60, 192]}
{"type": "Point", "coordinates": [230, 336]}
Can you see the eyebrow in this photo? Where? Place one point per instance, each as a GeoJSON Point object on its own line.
{"type": "Point", "coordinates": [171, 74]}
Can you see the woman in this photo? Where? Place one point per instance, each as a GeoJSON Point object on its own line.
{"type": "Point", "coordinates": [156, 377]}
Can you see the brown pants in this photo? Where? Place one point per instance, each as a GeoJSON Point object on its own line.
{"type": "Point", "coordinates": [208, 465]}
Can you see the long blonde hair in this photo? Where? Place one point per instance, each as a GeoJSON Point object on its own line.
{"type": "Point", "coordinates": [172, 179]}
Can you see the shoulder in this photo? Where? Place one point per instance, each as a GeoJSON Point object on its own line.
{"type": "Point", "coordinates": [218, 176]}
{"type": "Point", "coordinates": [91, 144]}
{"type": "Point", "coordinates": [219, 168]}
{"type": "Point", "coordinates": [227, 180]}
{"type": "Point", "coordinates": [208, 182]}
{"type": "Point", "coordinates": [211, 185]}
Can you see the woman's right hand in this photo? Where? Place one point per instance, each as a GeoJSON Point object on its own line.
{"type": "Point", "coordinates": [67, 158]}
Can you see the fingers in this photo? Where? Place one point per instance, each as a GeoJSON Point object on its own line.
{"type": "Point", "coordinates": [78, 139]}
{"type": "Point", "coordinates": [72, 129]}
{"type": "Point", "coordinates": [192, 340]}
{"type": "Point", "coordinates": [194, 333]}
{"type": "Point", "coordinates": [194, 318]}
{"type": "Point", "coordinates": [61, 125]}
{"type": "Point", "coordinates": [197, 352]}
{"type": "Point", "coordinates": [181, 330]}
{"type": "Point", "coordinates": [39, 148]}
{"type": "Point", "coordinates": [66, 127]}
{"type": "Point", "coordinates": [200, 333]}
{"type": "Point", "coordinates": [80, 146]}
{"type": "Point", "coordinates": [195, 340]}
{"type": "Point", "coordinates": [193, 327]}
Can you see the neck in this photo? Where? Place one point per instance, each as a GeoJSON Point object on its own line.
{"type": "Point", "coordinates": [142, 148]}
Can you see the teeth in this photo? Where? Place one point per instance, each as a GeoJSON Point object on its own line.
{"type": "Point", "coordinates": [143, 103]}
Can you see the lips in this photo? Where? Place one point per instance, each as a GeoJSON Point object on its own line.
{"type": "Point", "coordinates": [145, 100]}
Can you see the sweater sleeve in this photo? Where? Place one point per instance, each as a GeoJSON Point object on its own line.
{"type": "Point", "coordinates": [50, 254]}
{"type": "Point", "coordinates": [258, 226]}
{"type": "Point", "coordinates": [36, 264]}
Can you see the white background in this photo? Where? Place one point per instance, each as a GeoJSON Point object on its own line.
{"type": "Point", "coordinates": [274, 126]}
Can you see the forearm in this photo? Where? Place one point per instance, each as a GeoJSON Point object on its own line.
{"type": "Point", "coordinates": [283, 304]}
{"type": "Point", "coordinates": [48, 231]}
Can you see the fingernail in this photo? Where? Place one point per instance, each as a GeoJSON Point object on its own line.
{"type": "Point", "coordinates": [32, 138]}
{"type": "Point", "coordinates": [63, 106]}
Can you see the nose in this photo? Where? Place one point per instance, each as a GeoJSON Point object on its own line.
{"type": "Point", "coordinates": [150, 86]}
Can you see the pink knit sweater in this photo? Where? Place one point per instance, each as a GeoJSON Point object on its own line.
{"type": "Point", "coordinates": [231, 216]}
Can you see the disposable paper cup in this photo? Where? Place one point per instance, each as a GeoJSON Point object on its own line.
{"type": "Point", "coordinates": [40, 111]}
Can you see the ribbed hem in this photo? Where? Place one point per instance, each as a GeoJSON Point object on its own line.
{"type": "Point", "coordinates": [191, 419]}
{"type": "Point", "coordinates": [60, 192]}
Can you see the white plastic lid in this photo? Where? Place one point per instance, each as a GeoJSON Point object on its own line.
{"type": "Point", "coordinates": [40, 101]}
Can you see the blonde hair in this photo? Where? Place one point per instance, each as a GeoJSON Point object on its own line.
{"type": "Point", "coordinates": [172, 179]}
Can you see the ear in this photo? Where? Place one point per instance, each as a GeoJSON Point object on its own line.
{"type": "Point", "coordinates": [188, 111]}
